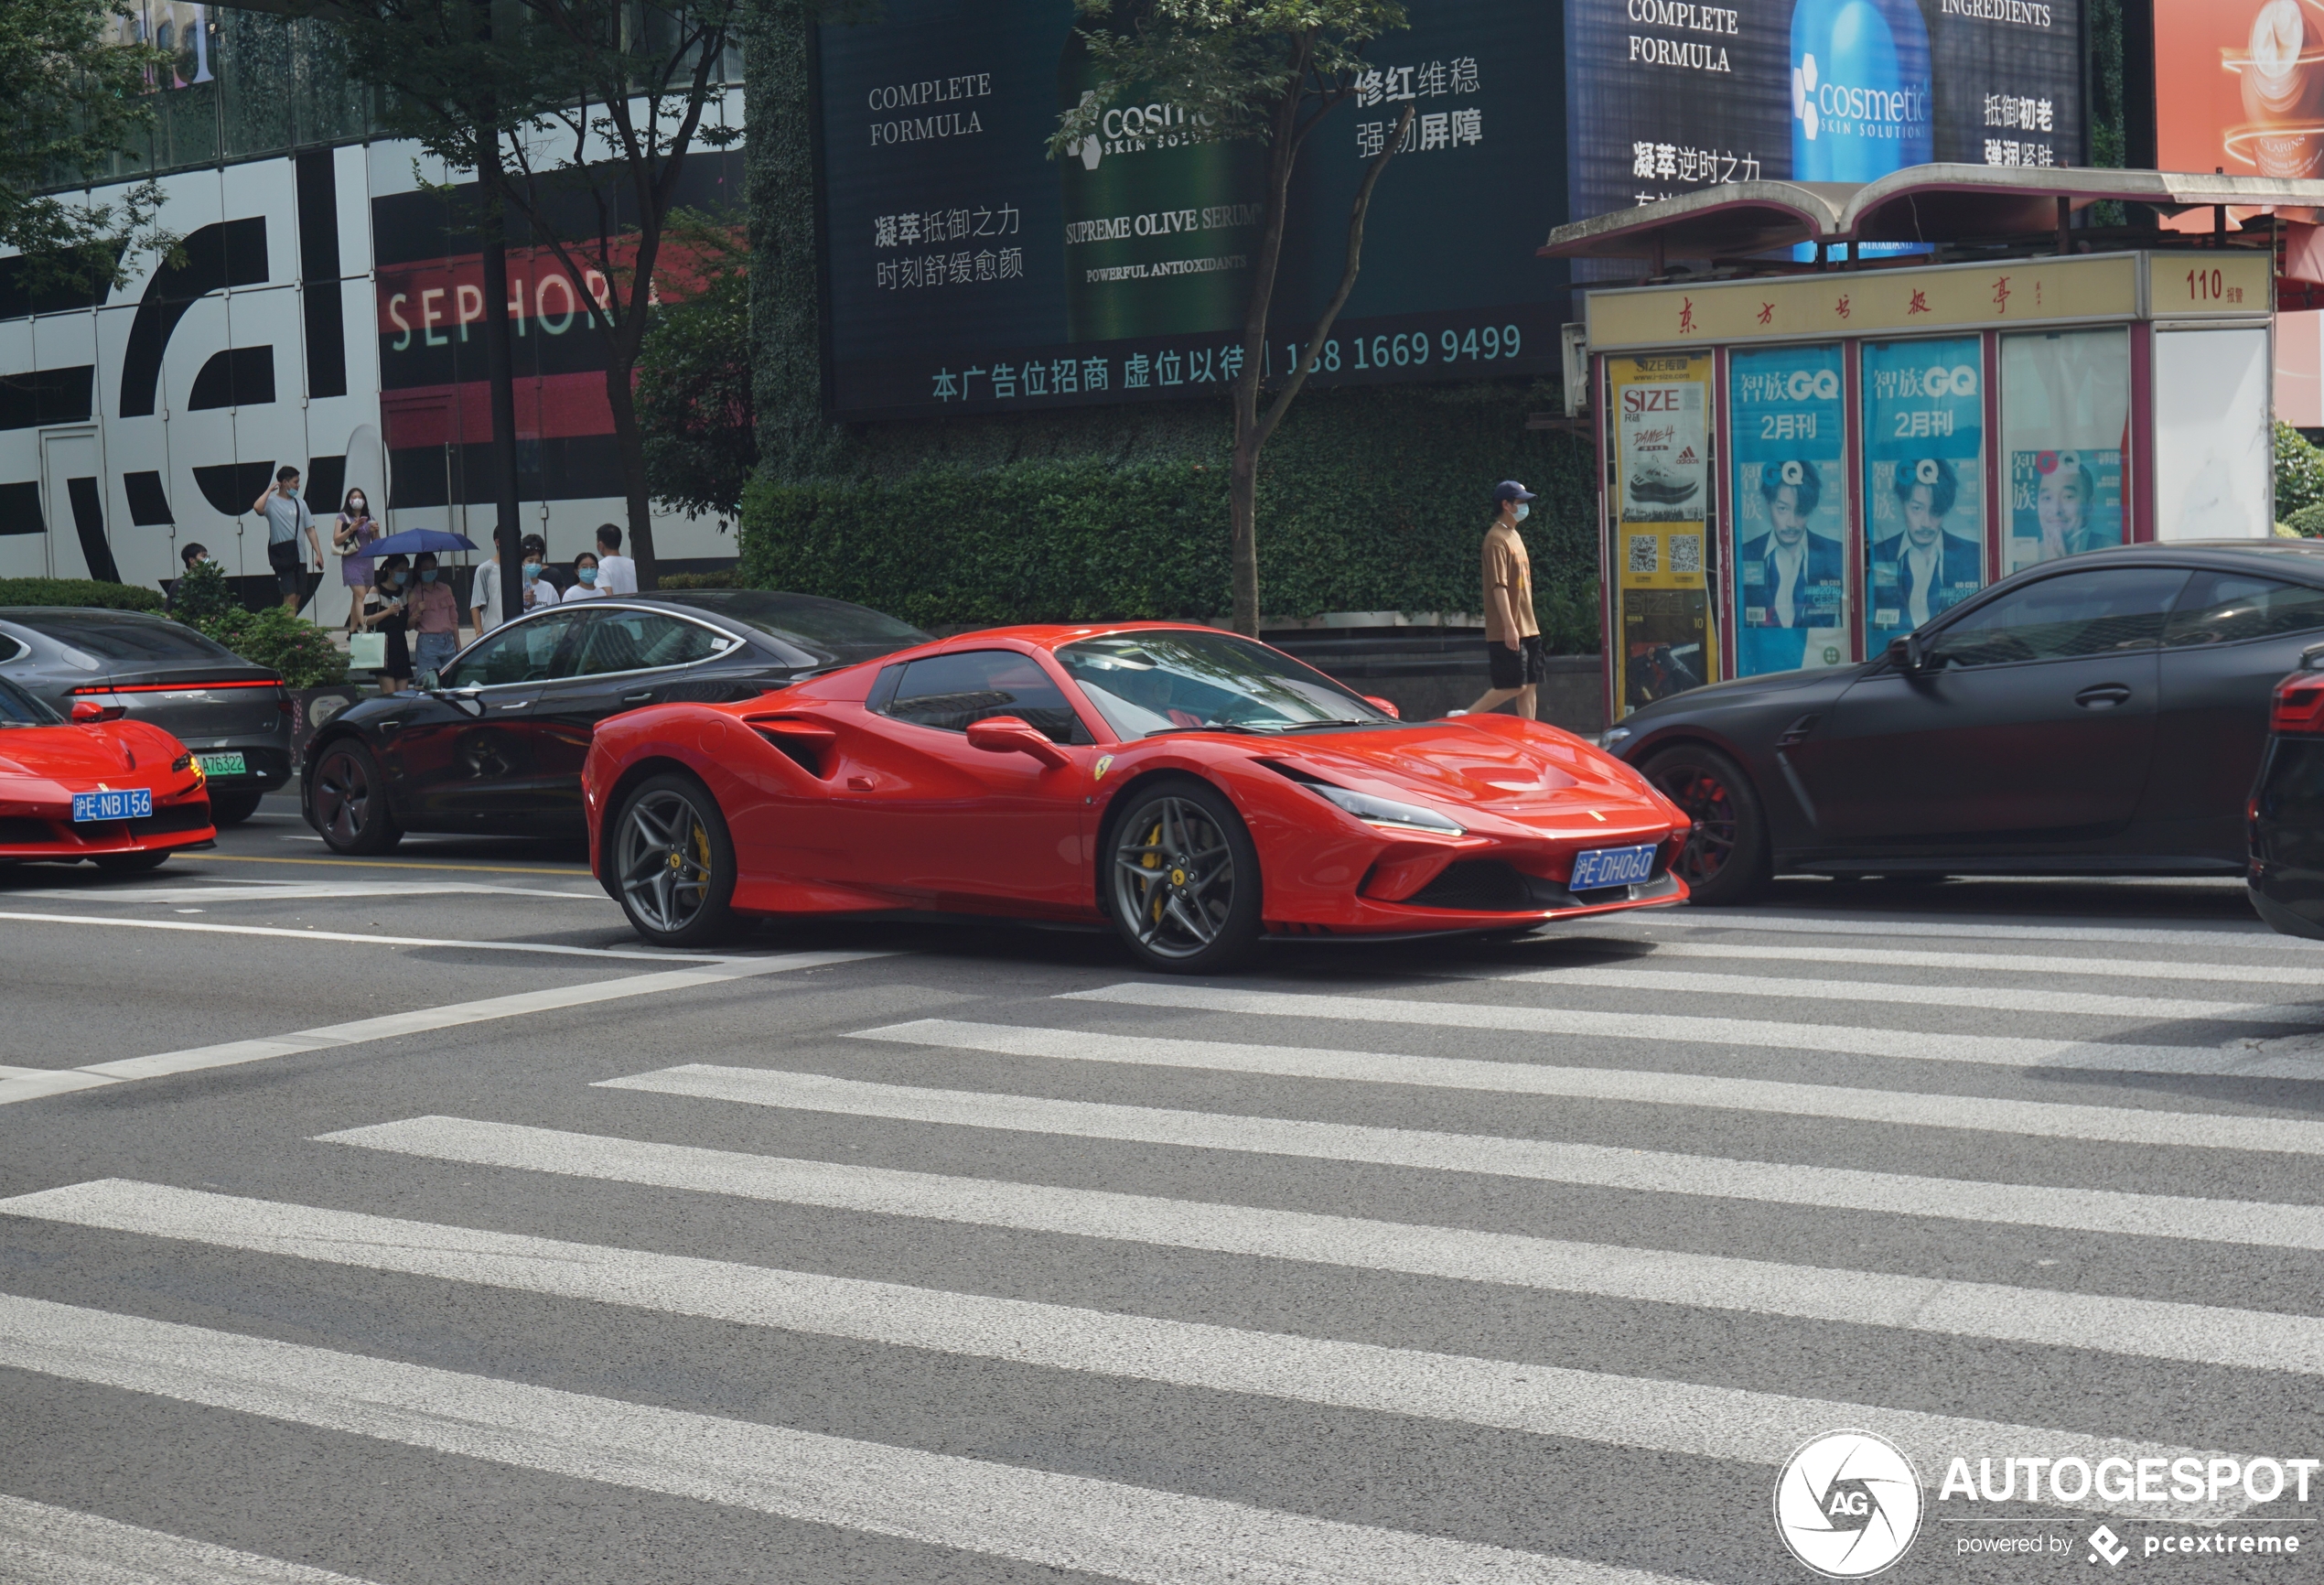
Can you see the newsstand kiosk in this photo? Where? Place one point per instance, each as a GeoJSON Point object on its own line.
{"type": "Point", "coordinates": [1804, 461]}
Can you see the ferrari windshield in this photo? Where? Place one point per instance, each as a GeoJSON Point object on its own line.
{"type": "Point", "coordinates": [1179, 681]}
{"type": "Point", "coordinates": [19, 708]}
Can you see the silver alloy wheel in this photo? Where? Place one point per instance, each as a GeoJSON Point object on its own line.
{"type": "Point", "coordinates": [343, 797]}
{"type": "Point", "coordinates": [664, 861]}
{"type": "Point", "coordinates": [1173, 876]}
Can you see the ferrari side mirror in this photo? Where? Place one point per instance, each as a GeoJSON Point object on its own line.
{"type": "Point", "coordinates": [1014, 735]}
{"type": "Point", "coordinates": [88, 712]}
{"type": "Point", "coordinates": [1385, 706]}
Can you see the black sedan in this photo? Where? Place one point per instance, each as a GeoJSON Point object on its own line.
{"type": "Point", "coordinates": [2101, 715]}
{"type": "Point", "coordinates": [234, 716]}
{"type": "Point", "coordinates": [495, 742]}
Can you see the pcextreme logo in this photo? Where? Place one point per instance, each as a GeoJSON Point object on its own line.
{"type": "Point", "coordinates": [1848, 1504]}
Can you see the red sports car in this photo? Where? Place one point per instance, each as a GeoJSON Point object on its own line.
{"type": "Point", "coordinates": [125, 793]}
{"type": "Point", "coordinates": [1197, 790]}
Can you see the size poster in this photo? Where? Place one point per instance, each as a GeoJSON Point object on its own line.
{"type": "Point", "coordinates": [1924, 482]}
{"type": "Point", "coordinates": [1791, 582]}
{"type": "Point", "coordinates": [1661, 522]}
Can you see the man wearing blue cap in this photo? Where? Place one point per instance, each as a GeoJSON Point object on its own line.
{"type": "Point", "coordinates": [1512, 637]}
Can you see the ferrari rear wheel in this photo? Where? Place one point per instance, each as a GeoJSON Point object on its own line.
{"type": "Point", "coordinates": [673, 863]}
{"type": "Point", "coordinates": [1184, 886]}
{"type": "Point", "coordinates": [1726, 859]}
{"type": "Point", "coordinates": [349, 799]}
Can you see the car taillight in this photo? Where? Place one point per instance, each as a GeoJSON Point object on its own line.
{"type": "Point", "coordinates": [283, 703]}
{"type": "Point", "coordinates": [2298, 708]}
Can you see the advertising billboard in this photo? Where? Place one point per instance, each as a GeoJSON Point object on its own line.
{"type": "Point", "coordinates": [2065, 419]}
{"type": "Point", "coordinates": [1661, 517]}
{"type": "Point", "coordinates": [1671, 96]}
{"type": "Point", "coordinates": [1789, 448]}
{"type": "Point", "coordinates": [1924, 482]}
{"type": "Point", "coordinates": [2239, 86]}
{"type": "Point", "coordinates": [967, 270]}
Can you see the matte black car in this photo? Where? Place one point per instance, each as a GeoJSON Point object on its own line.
{"type": "Point", "coordinates": [2101, 715]}
{"type": "Point", "coordinates": [2286, 878]}
{"type": "Point", "coordinates": [235, 717]}
{"type": "Point", "coordinates": [496, 744]}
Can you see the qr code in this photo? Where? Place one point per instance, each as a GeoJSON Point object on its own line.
{"type": "Point", "coordinates": [1644, 557]}
{"type": "Point", "coordinates": [1687, 553]}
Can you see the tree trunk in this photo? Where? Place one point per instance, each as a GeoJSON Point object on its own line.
{"type": "Point", "coordinates": [1242, 533]}
{"type": "Point", "coordinates": [628, 440]}
{"type": "Point", "coordinates": [500, 376]}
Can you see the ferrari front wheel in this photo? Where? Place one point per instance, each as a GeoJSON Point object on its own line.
{"type": "Point", "coordinates": [673, 863]}
{"type": "Point", "coordinates": [1184, 885]}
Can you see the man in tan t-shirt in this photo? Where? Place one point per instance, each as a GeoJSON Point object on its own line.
{"type": "Point", "coordinates": [1512, 637]}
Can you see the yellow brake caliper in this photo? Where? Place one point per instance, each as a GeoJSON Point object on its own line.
{"type": "Point", "coordinates": [1153, 860]}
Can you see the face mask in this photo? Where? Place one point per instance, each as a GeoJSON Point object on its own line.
{"type": "Point", "coordinates": [398, 580]}
{"type": "Point", "coordinates": [532, 570]}
{"type": "Point", "coordinates": [588, 575]}
{"type": "Point", "coordinates": [356, 506]}
{"type": "Point", "coordinates": [291, 491]}
{"type": "Point", "coordinates": [1521, 510]}
{"type": "Point", "coordinates": [427, 575]}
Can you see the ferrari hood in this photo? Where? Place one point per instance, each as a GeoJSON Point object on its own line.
{"type": "Point", "coordinates": [1477, 767]}
{"type": "Point", "coordinates": [70, 754]}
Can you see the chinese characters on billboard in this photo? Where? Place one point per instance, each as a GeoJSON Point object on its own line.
{"type": "Point", "coordinates": [1788, 445]}
{"type": "Point", "coordinates": [1924, 482]}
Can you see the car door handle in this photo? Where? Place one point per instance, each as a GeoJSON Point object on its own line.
{"type": "Point", "coordinates": [643, 696]}
{"type": "Point", "coordinates": [2103, 695]}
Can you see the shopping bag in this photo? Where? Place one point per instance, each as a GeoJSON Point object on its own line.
{"type": "Point", "coordinates": [367, 652]}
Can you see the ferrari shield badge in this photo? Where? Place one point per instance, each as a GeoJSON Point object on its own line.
{"type": "Point", "coordinates": [1104, 763]}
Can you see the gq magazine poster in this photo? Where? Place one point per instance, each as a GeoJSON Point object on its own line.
{"type": "Point", "coordinates": [1791, 582]}
{"type": "Point", "coordinates": [2065, 411]}
{"type": "Point", "coordinates": [1924, 482]}
{"type": "Point", "coordinates": [1661, 515]}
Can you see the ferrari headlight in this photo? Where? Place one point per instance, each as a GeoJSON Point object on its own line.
{"type": "Point", "coordinates": [183, 762]}
{"type": "Point", "coordinates": [1385, 811]}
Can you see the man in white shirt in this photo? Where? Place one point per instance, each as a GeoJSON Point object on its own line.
{"type": "Point", "coordinates": [617, 573]}
{"type": "Point", "coordinates": [484, 592]}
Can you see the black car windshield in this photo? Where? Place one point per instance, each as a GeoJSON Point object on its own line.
{"type": "Point", "coordinates": [834, 626]}
{"type": "Point", "coordinates": [124, 638]}
{"type": "Point", "coordinates": [19, 708]}
{"type": "Point", "coordinates": [1175, 681]}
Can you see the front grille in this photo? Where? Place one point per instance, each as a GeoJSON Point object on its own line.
{"type": "Point", "coordinates": [21, 831]}
{"type": "Point", "coordinates": [1479, 886]}
{"type": "Point", "coordinates": [175, 818]}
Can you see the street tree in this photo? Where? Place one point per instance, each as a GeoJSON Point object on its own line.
{"type": "Point", "coordinates": [578, 118]}
{"type": "Point", "coordinates": [695, 373]}
{"type": "Point", "coordinates": [1265, 71]}
{"type": "Point", "coordinates": [71, 99]}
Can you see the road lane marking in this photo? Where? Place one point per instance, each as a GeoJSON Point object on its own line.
{"type": "Point", "coordinates": [1529, 1396]}
{"type": "Point", "coordinates": [215, 857]}
{"type": "Point", "coordinates": [291, 891]}
{"type": "Point", "coordinates": [2236, 936]}
{"type": "Point", "coordinates": [40, 1545]}
{"type": "Point", "coordinates": [2301, 978]}
{"type": "Point", "coordinates": [2281, 1227]}
{"type": "Point", "coordinates": [2041, 1119]}
{"type": "Point", "coordinates": [629, 953]}
{"type": "Point", "coordinates": [1988, 998]}
{"type": "Point", "coordinates": [2197, 1334]}
{"type": "Point", "coordinates": [421, 1021]}
{"type": "Point", "coordinates": [1059, 1521]}
{"type": "Point", "coordinates": [1842, 1039]}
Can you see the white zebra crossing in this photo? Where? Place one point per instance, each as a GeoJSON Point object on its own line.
{"type": "Point", "coordinates": [43, 1545]}
{"type": "Point", "coordinates": [1070, 1522]}
{"type": "Point", "coordinates": [2041, 1120]}
{"type": "Point", "coordinates": [1839, 1039]}
{"type": "Point", "coordinates": [1520, 1396]}
{"type": "Point", "coordinates": [1596, 1166]}
{"type": "Point", "coordinates": [2196, 1334]}
{"type": "Point", "coordinates": [2305, 977]}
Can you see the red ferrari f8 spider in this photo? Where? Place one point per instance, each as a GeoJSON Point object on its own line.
{"type": "Point", "coordinates": [125, 793]}
{"type": "Point", "coordinates": [1197, 790]}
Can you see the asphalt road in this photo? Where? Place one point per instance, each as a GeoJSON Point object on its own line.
{"type": "Point", "coordinates": [406, 1222]}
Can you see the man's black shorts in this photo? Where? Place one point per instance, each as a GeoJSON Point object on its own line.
{"type": "Point", "coordinates": [1517, 668]}
{"type": "Point", "coordinates": [290, 572]}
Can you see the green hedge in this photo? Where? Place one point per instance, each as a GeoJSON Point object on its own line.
{"type": "Point", "coordinates": [77, 591]}
{"type": "Point", "coordinates": [1369, 501]}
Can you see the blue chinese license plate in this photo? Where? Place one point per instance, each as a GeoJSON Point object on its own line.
{"type": "Point", "coordinates": [134, 804]}
{"type": "Point", "coordinates": [1611, 866]}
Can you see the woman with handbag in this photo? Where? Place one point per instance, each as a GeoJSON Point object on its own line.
{"type": "Point", "coordinates": [383, 647]}
{"type": "Point", "coordinates": [353, 531]}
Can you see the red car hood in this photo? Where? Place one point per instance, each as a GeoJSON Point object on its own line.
{"type": "Point", "coordinates": [79, 754]}
{"type": "Point", "coordinates": [1525, 772]}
